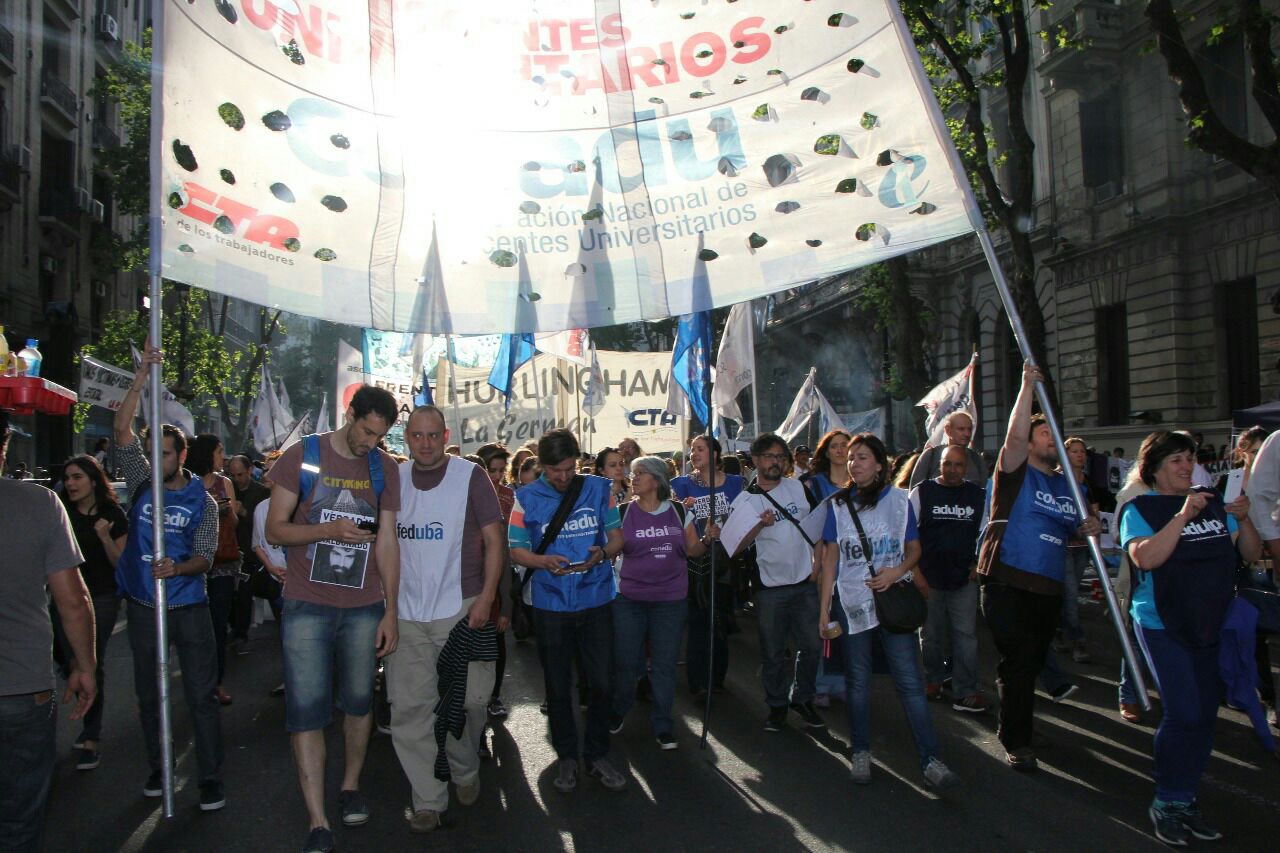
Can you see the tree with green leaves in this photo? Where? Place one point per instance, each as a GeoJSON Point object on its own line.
{"type": "Point", "coordinates": [955, 41]}
{"type": "Point", "coordinates": [1206, 128]}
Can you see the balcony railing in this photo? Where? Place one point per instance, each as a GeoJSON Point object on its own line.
{"type": "Point", "coordinates": [104, 138]}
{"type": "Point", "coordinates": [59, 93]}
{"type": "Point", "coordinates": [6, 51]}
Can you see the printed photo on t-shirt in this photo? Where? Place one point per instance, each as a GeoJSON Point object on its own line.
{"type": "Point", "coordinates": [339, 563]}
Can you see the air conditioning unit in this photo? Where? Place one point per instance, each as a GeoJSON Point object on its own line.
{"type": "Point", "coordinates": [108, 28]}
{"type": "Point", "coordinates": [48, 264]}
{"type": "Point", "coordinates": [20, 156]}
{"type": "Point", "coordinates": [1107, 191]}
{"type": "Point", "coordinates": [84, 199]}
{"type": "Point", "coordinates": [97, 211]}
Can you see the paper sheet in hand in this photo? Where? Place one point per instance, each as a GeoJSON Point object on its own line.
{"type": "Point", "coordinates": [1235, 485]}
{"type": "Point", "coordinates": [813, 523]}
{"type": "Point", "coordinates": [739, 524]}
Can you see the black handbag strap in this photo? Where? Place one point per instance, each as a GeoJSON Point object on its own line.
{"type": "Point", "coordinates": [791, 518]}
{"type": "Point", "coordinates": [552, 530]}
{"type": "Point", "coordinates": [862, 536]}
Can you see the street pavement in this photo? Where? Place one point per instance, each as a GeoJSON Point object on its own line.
{"type": "Point", "coordinates": [748, 790]}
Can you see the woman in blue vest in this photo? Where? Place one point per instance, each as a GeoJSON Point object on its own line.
{"type": "Point", "coordinates": [828, 474]}
{"type": "Point", "coordinates": [847, 595]}
{"type": "Point", "coordinates": [1185, 545]}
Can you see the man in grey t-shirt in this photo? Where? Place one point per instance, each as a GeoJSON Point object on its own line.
{"type": "Point", "coordinates": [41, 549]}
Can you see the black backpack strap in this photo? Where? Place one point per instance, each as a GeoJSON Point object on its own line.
{"type": "Point", "coordinates": [552, 530]}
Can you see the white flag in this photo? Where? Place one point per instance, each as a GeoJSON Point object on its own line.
{"type": "Point", "coordinates": [322, 419]}
{"type": "Point", "coordinates": [594, 401]}
{"type": "Point", "coordinates": [171, 411]}
{"type": "Point", "coordinates": [809, 399]}
{"type": "Point", "coordinates": [735, 362]}
{"type": "Point", "coordinates": [572, 345]}
{"type": "Point", "coordinates": [266, 427]}
{"type": "Point", "coordinates": [953, 395]}
{"type": "Point", "coordinates": [300, 428]}
{"type": "Point", "coordinates": [282, 400]}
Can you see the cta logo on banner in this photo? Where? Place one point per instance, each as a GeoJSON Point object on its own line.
{"type": "Point", "coordinates": [551, 393]}
{"type": "Point", "coordinates": [471, 168]}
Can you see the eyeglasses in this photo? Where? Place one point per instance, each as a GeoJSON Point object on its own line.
{"type": "Point", "coordinates": [774, 457]}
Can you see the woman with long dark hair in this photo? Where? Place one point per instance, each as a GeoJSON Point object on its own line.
{"type": "Point", "coordinates": [695, 492]}
{"type": "Point", "coordinates": [610, 465]}
{"type": "Point", "coordinates": [1185, 545]}
{"type": "Point", "coordinates": [101, 529]}
{"type": "Point", "coordinates": [205, 459]}
{"type": "Point", "coordinates": [849, 584]}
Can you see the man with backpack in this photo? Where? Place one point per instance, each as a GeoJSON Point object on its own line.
{"type": "Point", "coordinates": [565, 527]}
{"type": "Point", "coordinates": [333, 508]}
{"type": "Point", "coordinates": [190, 540]}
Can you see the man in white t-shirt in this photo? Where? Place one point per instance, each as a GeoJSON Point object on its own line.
{"type": "Point", "coordinates": [787, 600]}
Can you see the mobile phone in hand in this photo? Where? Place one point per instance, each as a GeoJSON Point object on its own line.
{"type": "Point", "coordinates": [366, 524]}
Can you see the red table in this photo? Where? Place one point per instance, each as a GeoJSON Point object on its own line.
{"type": "Point", "coordinates": [28, 395]}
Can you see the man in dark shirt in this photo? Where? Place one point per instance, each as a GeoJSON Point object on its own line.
{"type": "Point", "coordinates": [249, 493]}
{"type": "Point", "coordinates": [949, 512]}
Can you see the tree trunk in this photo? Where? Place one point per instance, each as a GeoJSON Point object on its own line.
{"type": "Point", "coordinates": [909, 336]}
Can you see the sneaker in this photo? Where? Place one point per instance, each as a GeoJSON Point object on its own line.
{"type": "Point", "coordinates": [933, 691]}
{"type": "Point", "coordinates": [938, 776]}
{"type": "Point", "coordinates": [615, 724]}
{"type": "Point", "coordinates": [319, 840]}
{"type": "Point", "coordinates": [860, 768]}
{"type": "Point", "coordinates": [566, 775]}
{"type": "Point", "coordinates": [1080, 654]}
{"type": "Point", "coordinates": [242, 647]}
{"type": "Point", "coordinates": [496, 708]}
{"type": "Point", "coordinates": [1022, 759]}
{"type": "Point", "coordinates": [1167, 822]}
{"type": "Point", "coordinates": [423, 821]}
{"type": "Point", "coordinates": [212, 797]}
{"type": "Point", "coordinates": [607, 774]}
{"type": "Point", "coordinates": [79, 744]}
{"type": "Point", "coordinates": [1195, 824]}
{"type": "Point", "coordinates": [1062, 692]}
{"type": "Point", "coordinates": [154, 786]}
{"type": "Point", "coordinates": [974, 703]}
{"type": "Point", "coordinates": [87, 759]}
{"type": "Point", "coordinates": [809, 715]}
{"type": "Point", "coordinates": [468, 794]}
{"type": "Point", "coordinates": [354, 811]}
{"type": "Point", "coordinates": [777, 720]}
{"type": "Point", "coordinates": [666, 740]}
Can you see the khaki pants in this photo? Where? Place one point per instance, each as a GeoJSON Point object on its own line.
{"type": "Point", "coordinates": [412, 689]}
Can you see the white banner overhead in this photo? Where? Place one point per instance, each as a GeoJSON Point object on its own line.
{"type": "Point", "coordinates": [474, 168]}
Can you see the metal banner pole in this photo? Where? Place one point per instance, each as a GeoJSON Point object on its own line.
{"type": "Point", "coordinates": [157, 553]}
{"type": "Point", "coordinates": [1113, 605]}
{"type": "Point", "coordinates": [453, 386]}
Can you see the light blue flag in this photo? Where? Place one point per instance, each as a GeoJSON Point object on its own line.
{"type": "Point", "coordinates": [423, 397]}
{"type": "Point", "coordinates": [691, 364]}
{"type": "Point", "coordinates": [514, 351]}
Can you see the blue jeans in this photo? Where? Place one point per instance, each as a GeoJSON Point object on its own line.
{"type": "Point", "coordinates": [787, 618]}
{"type": "Point", "coordinates": [703, 655]}
{"type": "Point", "coordinates": [191, 633]}
{"type": "Point", "coordinates": [950, 632]}
{"type": "Point", "coordinates": [588, 636]}
{"type": "Point", "coordinates": [1128, 690]}
{"type": "Point", "coordinates": [27, 730]}
{"type": "Point", "coordinates": [903, 654]}
{"type": "Point", "coordinates": [317, 639]}
{"type": "Point", "coordinates": [1190, 688]}
{"type": "Point", "coordinates": [661, 623]}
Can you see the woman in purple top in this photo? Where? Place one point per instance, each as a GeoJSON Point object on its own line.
{"type": "Point", "coordinates": [658, 537]}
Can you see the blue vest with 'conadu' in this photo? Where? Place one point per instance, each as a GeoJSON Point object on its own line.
{"type": "Point", "coordinates": [183, 511]}
{"type": "Point", "coordinates": [583, 528]}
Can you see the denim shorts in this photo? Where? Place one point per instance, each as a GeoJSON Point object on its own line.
{"type": "Point", "coordinates": [317, 639]}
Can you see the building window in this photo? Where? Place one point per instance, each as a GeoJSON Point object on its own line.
{"type": "Point", "coordinates": [1112, 331]}
{"type": "Point", "coordinates": [1226, 81]}
{"type": "Point", "coordinates": [1102, 144]}
{"type": "Point", "coordinates": [1236, 315]}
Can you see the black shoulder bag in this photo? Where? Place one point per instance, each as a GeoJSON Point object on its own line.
{"type": "Point", "coordinates": [521, 617]}
{"type": "Point", "coordinates": [900, 609]}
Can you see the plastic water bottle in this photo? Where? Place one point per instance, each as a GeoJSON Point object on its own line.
{"type": "Point", "coordinates": [31, 355]}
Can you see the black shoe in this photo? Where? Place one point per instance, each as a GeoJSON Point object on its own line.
{"type": "Point", "coordinates": [809, 715]}
{"type": "Point", "coordinates": [87, 759]}
{"type": "Point", "coordinates": [319, 840]}
{"type": "Point", "coordinates": [615, 723]}
{"type": "Point", "coordinates": [666, 740]}
{"type": "Point", "coordinates": [777, 720]}
{"type": "Point", "coordinates": [154, 786]}
{"type": "Point", "coordinates": [1194, 823]}
{"type": "Point", "coordinates": [211, 796]}
{"type": "Point", "coordinates": [1167, 823]}
{"type": "Point", "coordinates": [354, 811]}
{"type": "Point", "coordinates": [1062, 692]}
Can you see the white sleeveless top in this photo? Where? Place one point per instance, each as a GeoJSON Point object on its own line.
{"type": "Point", "coordinates": [886, 528]}
{"type": "Point", "coordinates": [429, 530]}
